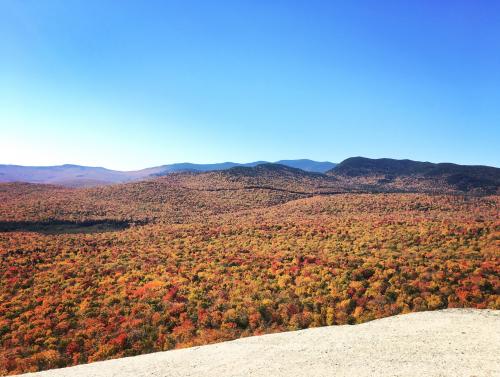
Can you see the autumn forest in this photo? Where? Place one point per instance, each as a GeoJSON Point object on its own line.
{"type": "Point", "coordinates": [90, 274]}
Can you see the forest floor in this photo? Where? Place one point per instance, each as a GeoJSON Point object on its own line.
{"type": "Point", "coordinates": [452, 342]}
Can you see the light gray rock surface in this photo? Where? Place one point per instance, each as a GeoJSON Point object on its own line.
{"type": "Point", "coordinates": [453, 342]}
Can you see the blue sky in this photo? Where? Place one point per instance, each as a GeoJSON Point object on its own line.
{"type": "Point", "coordinates": [129, 84]}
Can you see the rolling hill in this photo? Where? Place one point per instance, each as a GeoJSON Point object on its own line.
{"type": "Point", "coordinates": [173, 198]}
{"type": "Point", "coordinates": [353, 174]}
{"type": "Point", "coordinates": [195, 196]}
{"type": "Point", "coordinates": [85, 176]}
{"type": "Point", "coordinates": [407, 175]}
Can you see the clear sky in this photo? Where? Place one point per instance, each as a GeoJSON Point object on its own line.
{"type": "Point", "coordinates": [129, 84]}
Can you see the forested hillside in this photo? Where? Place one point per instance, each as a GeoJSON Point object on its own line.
{"type": "Point", "coordinates": [196, 258]}
{"type": "Point", "coordinates": [415, 176]}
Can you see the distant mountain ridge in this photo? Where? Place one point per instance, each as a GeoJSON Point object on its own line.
{"type": "Point", "coordinates": [358, 166]}
{"type": "Point", "coordinates": [355, 174]}
{"type": "Point", "coordinates": [68, 175]}
{"type": "Point", "coordinates": [303, 164]}
{"type": "Point", "coordinates": [401, 174]}
{"type": "Point", "coordinates": [85, 176]}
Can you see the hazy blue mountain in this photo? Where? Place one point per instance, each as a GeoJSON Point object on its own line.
{"type": "Point", "coordinates": [70, 175]}
{"type": "Point", "coordinates": [80, 176]}
{"type": "Point", "coordinates": [308, 165]}
{"type": "Point", "coordinates": [304, 164]}
{"type": "Point", "coordinates": [187, 166]}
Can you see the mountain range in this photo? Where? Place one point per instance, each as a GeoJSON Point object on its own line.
{"type": "Point", "coordinates": [87, 176]}
{"type": "Point", "coordinates": [356, 174]}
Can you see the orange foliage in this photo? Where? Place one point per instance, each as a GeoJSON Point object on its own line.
{"type": "Point", "coordinates": [73, 297]}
